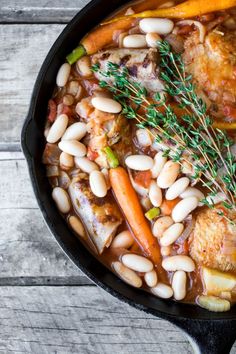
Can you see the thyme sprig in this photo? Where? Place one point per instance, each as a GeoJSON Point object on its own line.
{"type": "Point", "coordinates": [190, 138]}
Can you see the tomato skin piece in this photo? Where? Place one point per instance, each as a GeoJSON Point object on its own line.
{"type": "Point", "coordinates": [143, 178]}
{"type": "Point", "coordinates": [52, 111]}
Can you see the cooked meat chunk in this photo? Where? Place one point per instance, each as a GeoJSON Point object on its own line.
{"type": "Point", "coordinates": [141, 64]}
{"type": "Point", "coordinates": [213, 66]}
{"type": "Point", "coordinates": [51, 154]}
{"type": "Point", "coordinates": [213, 241]}
{"type": "Point", "coordinates": [100, 215]}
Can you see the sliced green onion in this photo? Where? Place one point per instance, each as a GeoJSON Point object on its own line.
{"type": "Point", "coordinates": [76, 54]}
{"type": "Point", "coordinates": [152, 213]}
{"type": "Point", "coordinates": [111, 157]}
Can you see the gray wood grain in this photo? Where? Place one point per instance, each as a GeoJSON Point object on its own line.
{"type": "Point", "coordinates": [44, 11]}
{"type": "Point", "coordinates": [84, 320]}
{"type": "Point", "coordinates": [22, 51]}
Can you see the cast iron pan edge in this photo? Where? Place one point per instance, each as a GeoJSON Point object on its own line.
{"type": "Point", "coordinates": [209, 333]}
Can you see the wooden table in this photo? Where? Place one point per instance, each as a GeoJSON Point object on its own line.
{"type": "Point", "coordinates": [47, 305]}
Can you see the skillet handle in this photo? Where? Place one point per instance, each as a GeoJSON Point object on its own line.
{"type": "Point", "coordinates": [209, 337]}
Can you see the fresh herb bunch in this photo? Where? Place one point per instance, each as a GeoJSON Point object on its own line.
{"type": "Point", "coordinates": [190, 138]}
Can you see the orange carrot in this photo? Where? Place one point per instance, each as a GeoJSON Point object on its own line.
{"type": "Point", "coordinates": [168, 205]}
{"type": "Point", "coordinates": [103, 35]}
{"type": "Point", "coordinates": [186, 9]}
{"type": "Point", "coordinates": [130, 205]}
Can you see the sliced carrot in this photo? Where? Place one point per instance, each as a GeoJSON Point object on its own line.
{"type": "Point", "coordinates": [168, 205]}
{"type": "Point", "coordinates": [131, 207]}
{"type": "Point", "coordinates": [143, 178]}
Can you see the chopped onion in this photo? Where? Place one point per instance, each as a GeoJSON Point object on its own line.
{"type": "Point", "coordinates": [199, 25]}
{"type": "Point", "coordinates": [187, 231]}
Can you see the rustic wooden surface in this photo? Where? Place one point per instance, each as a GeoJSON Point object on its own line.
{"type": "Point", "coordinates": [46, 304]}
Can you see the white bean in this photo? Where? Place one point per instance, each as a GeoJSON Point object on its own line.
{"type": "Point", "coordinates": [66, 161]}
{"type": "Point", "coordinates": [192, 192]}
{"type": "Point", "coordinates": [151, 278]}
{"type": "Point", "coordinates": [63, 75]}
{"type": "Point", "coordinates": [161, 224]}
{"type": "Point", "coordinates": [123, 240]}
{"type": "Point", "coordinates": [135, 41]}
{"type": "Point", "coordinates": [152, 39]}
{"type": "Point", "coordinates": [76, 226]}
{"type": "Point", "coordinates": [155, 194]}
{"type": "Point", "coordinates": [106, 104]}
{"type": "Point", "coordinates": [68, 100]}
{"type": "Point", "coordinates": [177, 188]}
{"type": "Point", "coordinates": [165, 251]}
{"type": "Point", "coordinates": [144, 138]}
{"type": "Point", "coordinates": [179, 262]}
{"type": "Point", "coordinates": [98, 184]}
{"type": "Point", "coordinates": [184, 208]}
{"type": "Point", "coordinates": [157, 25]}
{"type": "Point", "coordinates": [84, 66]}
{"type": "Point", "coordinates": [137, 263]}
{"type": "Point", "coordinates": [168, 174]}
{"type": "Point", "coordinates": [85, 164]}
{"type": "Point", "coordinates": [139, 162]}
{"type": "Point", "coordinates": [75, 131]}
{"type": "Point", "coordinates": [126, 274]}
{"type": "Point", "coordinates": [159, 162]}
{"type": "Point", "coordinates": [73, 147]}
{"type": "Point", "coordinates": [61, 199]}
{"type": "Point", "coordinates": [57, 129]}
{"type": "Point", "coordinates": [171, 234]}
{"type": "Point", "coordinates": [162, 290]}
{"type": "Point", "coordinates": [179, 284]}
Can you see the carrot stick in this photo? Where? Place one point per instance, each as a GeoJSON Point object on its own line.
{"type": "Point", "coordinates": [103, 35]}
{"type": "Point", "coordinates": [130, 205]}
{"type": "Point", "coordinates": [186, 9]}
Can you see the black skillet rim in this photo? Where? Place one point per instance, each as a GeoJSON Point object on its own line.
{"type": "Point", "coordinates": [179, 311]}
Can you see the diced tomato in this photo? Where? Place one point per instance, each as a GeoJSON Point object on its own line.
{"type": "Point", "coordinates": [168, 205]}
{"type": "Point", "coordinates": [230, 112]}
{"type": "Point", "coordinates": [52, 111]}
{"type": "Point", "coordinates": [143, 178]}
{"type": "Point", "coordinates": [92, 155]}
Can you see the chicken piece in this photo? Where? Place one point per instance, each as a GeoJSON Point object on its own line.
{"type": "Point", "coordinates": [101, 216]}
{"type": "Point", "coordinates": [213, 241]}
{"type": "Point", "coordinates": [213, 66]}
{"type": "Point", "coordinates": [141, 64]}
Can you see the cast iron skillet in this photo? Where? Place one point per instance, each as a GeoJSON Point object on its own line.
{"type": "Point", "coordinates": [209, 333]}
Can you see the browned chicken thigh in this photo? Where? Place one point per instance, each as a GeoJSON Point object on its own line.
{"type": "Point", "coordinates": [213, 241]}
{"type": "Point", "coordinates": [213, 66]}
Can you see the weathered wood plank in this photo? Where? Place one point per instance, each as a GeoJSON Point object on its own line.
{"type": "Point", "coordinates": [27, 248]}
{"type": "Point", "coordinates": [15, 188]}
{"type": "Point", "coordinates": [43, 320]}
{"type": "Point", "coordinates": [22, 51]}
{"type": "Point", "coordinates": [59, 11]}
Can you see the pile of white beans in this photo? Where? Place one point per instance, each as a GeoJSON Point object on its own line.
{"type": "Point", "coordinates": [147, 34]}
{"type": "Point", "coordinates": [135, 269]}
{"type": "Point", "coordinates": [167, 180]}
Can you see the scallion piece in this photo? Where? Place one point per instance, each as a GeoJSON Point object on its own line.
{"type": "Point", "coordinates": [76, 54]}
{"type": "Point", "coordinates": [111, 157]}
{"type": "Point", "coordinates": [152, 213]}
